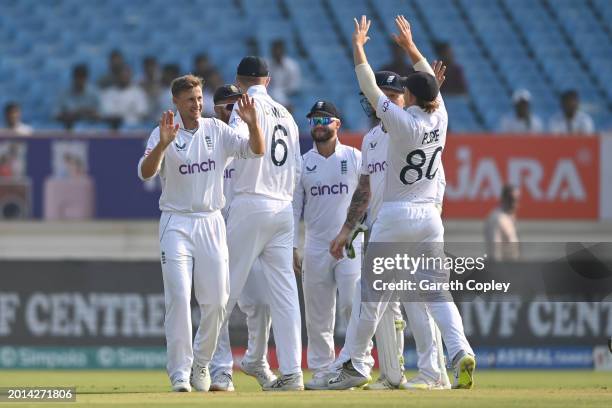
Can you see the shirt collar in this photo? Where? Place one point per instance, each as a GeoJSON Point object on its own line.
{"type": "Point", "coordinates": [179, 120]}
{"type": "Point", "coordinates": [257, 90]}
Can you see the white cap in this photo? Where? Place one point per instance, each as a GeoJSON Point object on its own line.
{"type": "Point", "coordinates": [521, 95]}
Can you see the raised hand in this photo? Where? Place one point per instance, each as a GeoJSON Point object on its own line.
{"type": "Point", "coordinates": [360, 35]}
{"type": "Point", "coordinates": [167, 128]}
{"type": "Point", "coordinates": [439, 69]}
{"type": "Point", "coordinates": [404, 38]}
{"type": "Point", "coordinates": [246, 110]}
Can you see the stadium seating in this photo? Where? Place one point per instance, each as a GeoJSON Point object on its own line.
{"type": "Point", "coordinates": [546, 46]}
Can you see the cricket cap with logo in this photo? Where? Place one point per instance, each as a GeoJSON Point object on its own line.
{"type": "Point", "coordinates": [323, 108]}
{"type": "Point", "coordinates": [226, 92]}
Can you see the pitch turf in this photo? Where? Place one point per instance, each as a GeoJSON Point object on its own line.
{"type": "Point", "coordinates": [493, 389]}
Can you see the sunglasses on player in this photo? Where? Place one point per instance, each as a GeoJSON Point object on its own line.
{"type": "Point", "coordinates": [228, 106]}
{"type": "Point", "coordinates": [321, 121]}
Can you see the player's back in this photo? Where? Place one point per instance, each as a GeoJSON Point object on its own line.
{"type": "Point", "coordinates": [416, 142]}
{"type": "Point", "coordinates": [274, 174]}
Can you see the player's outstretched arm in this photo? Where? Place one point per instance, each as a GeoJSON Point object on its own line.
{"type": "Point", "coordinates": [356, 211]}
{"type": "Point", "coordinates": [167, 133]}
{"type": "Point", "coordinates": [439, 69]}
{"type": "Point", "coordinates": [365, 75]}
{"type": "Point", "coordinates": [248, 113]}
{"type": "Point", "coordinates": [405, 41]}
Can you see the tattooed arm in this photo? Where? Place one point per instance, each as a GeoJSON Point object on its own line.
{"type": "Point", "coordinates": [359, 202]}
{"type": "Point", "coordinates": [356, 211]}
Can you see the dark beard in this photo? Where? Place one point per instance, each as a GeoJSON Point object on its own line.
{"type": "Point", "coordinates": [321, 138]}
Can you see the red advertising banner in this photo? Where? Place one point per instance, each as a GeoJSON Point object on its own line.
{"type": "Point", "coordinates": [559, 177]}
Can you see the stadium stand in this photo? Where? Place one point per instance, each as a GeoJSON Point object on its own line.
{"type": "Point", "coordinates": [546, 46]}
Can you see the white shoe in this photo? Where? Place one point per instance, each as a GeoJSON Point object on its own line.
{"type": "Point", "coordinates": [181, 385]}
{"type": "Point", "coordinates": [446, 384]}
{"type": "Point", "coordinates": [420, 382]}
{"type": "Point", "coordinates": [348, 378]}
{"type": "Point", "coordinates": [320, 381]}
{"type": "Point", "coordinates": [289, 382]}
{"type": "Point", "coordinates": [262, 374]}
{"type": "Point", "coordinates": [200, 378]}
{"type": "Point", "coordinates": [222, 382]}
{"type": "Point", "coordinates": [464, 372]}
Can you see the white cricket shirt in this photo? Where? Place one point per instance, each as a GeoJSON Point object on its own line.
{"type": "Point", "coordinates": [273, 175]}
{"type": "Point", "coordinates": [324, 193]}
{"type": "Point", "coordinates": [192, 168]}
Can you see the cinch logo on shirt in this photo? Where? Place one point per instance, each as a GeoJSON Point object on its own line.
{"type": "Point", "coordinates": [197, 167]}
{"type": "Point", "coordinates": [377, 167]}
{"type": "Point", "coordinates": [227, 173]}
{"type": "Point", "coordinates": [325, 189]}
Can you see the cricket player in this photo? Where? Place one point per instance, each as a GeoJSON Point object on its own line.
{"type": "Point", "coordinates": [408, 213]}
{"type": "Point", "coordinates": [330, 171]}
{"type": "Point", "coordinates": [190, 155]}
{"type": "Point", "coordinates": [389, 333]}
{"type": "Point", "coordinates": [260, 222]}
{"type": "Point", "coordinates": [254, 299]}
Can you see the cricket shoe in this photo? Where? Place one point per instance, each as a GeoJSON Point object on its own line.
{"type": "Point", "coordinates": [464, 372]}
{"type": "Point", "coordinates": [320, 381]}
{"type": "Point", "coordinates": [383, 384]}
{"type": "Point", "coordinates": [200, 378]}
{"type": "Point", "coordinates": [262, 374]}
{"type": "Point", "coordinates": [181, 385]}
{"type": "Point", "coordinates": [222, 382]}
{"type": "Point", "coordinates": [420, 382]}
{"type": "Point", "coordinates": [348, 378]}
{"type": "Point", "coordinates": [289, 382]}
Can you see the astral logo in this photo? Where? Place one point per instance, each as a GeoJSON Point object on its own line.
{"type": "Point", "coordinates": [325, 189]}
{"type": "Point", "coordinates": [377, 167]}
{"type": "Point", "coordinates": [197, 167]}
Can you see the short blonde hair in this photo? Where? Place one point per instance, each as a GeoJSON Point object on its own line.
{"type": "Point", "coordinates": [185, 83]}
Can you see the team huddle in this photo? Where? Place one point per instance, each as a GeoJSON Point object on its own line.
{"type": "Point", "coordinates": [234, 190]}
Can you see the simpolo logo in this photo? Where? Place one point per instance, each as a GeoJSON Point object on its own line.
{"type": "Point", "coordinates": [197, 167]}
{"type": "Point", "coordinates": [377, 167]}
{"type": "Point", "coordinates": [325, 189]}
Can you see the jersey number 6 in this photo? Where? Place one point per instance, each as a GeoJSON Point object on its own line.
{"type": "Point", "coordinates": [418, 167]}
{"type": "Point", "coordinates": [275, 144]}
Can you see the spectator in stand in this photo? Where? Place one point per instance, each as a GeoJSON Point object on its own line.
{"type": "Point", "coordinates": [115, 67]}
{"type": "Point", "coordinates": [169, 72]}
{"type": "Point", "coordinates": [398, 63]}
{"type": "Point", "coordinates": [455, 83]}
{"type": "Point", "coordinates": [501, 237]}
{"type": "Point", "coordinates": [203, 68]}
{"type": "Point", "coordinates": [571, 119]}
{"type": "Point", "coordinates": [521, 120]}
{"type": "Point", "coordinates": [80, 102]}
{"type": "Point", "coordinates": [285, 75]}
{"type": "Point", "coordinates": [151, 85]}
{"type": "Point", "coordinates": [213, 82]}
{"type": "Point", "coordinates": [12, 120]}
{"type": "Point", "coordinates": [124, 103]}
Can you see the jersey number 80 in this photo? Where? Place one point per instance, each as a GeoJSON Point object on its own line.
{"type": "Point", "coordinates": [418, 167]}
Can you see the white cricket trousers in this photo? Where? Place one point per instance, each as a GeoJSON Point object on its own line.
{"type": "Point", "coordinates": [254, 302]}
{"type": "Point", "coordinates": [403, 222]}
{"type": "Point", "coordinates": [322, 277]}
{"type": "Point", "coordinates": [263, 228]}
{"type": "Point", "coordinates": [193, 248]}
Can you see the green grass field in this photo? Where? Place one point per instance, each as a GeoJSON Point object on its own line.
{"type": "Point", "coordinates": [493, 389]}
